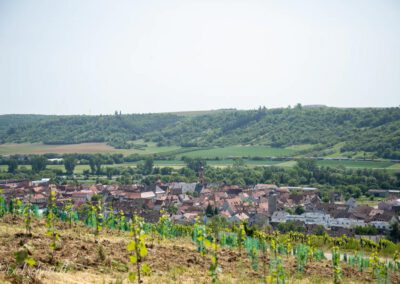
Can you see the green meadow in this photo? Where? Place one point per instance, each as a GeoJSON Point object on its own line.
{"type": "Point", "coordinates": [357, 164]}
{"type": "Point", "coordinates": [217, 157]}
{"type": "Point", "coordinates": [239, 151]}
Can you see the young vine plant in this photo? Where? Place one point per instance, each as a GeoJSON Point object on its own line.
{"type": "Point", "coordinates": [27, 212]}
{"type": "Point", "coordinates": [50, 222]}
{"type": "Point", "coordinates": [337, 271]}
{"type": "Point", "coordinates": [138, 250]}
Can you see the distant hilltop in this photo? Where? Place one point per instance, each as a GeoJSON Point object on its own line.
{"type": "Point", "coordinates": [315, 106]}
{"type": "Point", "coordinates": [366, 132]}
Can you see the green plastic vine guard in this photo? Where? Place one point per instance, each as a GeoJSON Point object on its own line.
{"type": "Point", "coordinates": [252, 248]}
{"type": "Point", "coordinates": [301, 256]}
{"type": "Point", "coordinates": [277, 272]}
{"type": "Point", "coordinates": [282, 249]}
{"type": "Point", "coordinates": [319, 255]}
{"type": "Point", "coordinates": [36, 211]}
{"type": "Point", "coordinates": [226, 239]}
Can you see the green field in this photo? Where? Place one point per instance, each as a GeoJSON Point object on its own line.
{"type": "Point", "coordinates": [395, 167]}
{"type": "Point", "coordinates": [287, 164]}
{"type": "Point", "coordinates": [218, 157]}
{"type": "Point", "coordinates": [239, 151]}
{"type": "Point", "coordinates": [357, 164]}
{"type": "Point", "coordinates": [300, 147]}
{"type": "Point", "coordinates": [363, 200]}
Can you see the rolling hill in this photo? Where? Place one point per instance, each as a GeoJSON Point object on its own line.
{"type": "Point", "coordinates": [325, 130]}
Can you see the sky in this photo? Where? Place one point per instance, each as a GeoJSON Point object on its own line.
{"type": "Point", "coordinates": [96, 56]}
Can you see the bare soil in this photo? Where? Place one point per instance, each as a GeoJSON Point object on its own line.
{"type": "Point", "coordinates": [80, 257]}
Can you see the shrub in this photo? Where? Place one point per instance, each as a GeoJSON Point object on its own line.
{"type": "Point", "coordinates": [3, 206]}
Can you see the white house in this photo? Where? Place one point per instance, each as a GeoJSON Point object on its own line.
{"type": "Point", "coordinates": [380, 225]}
{"type": "Point", "coordinates": [346, 223]}
{"type": "Point", "coordinates": [159, 191]}
{"type": "Point", "coordinates": [240, 217]}
{"type": "Point", "coordinates": [148, 195]}
{"type": "Point", "coordinates": [279, 217]}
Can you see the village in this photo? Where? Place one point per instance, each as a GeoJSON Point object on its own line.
{"type": "Point", "coordinates": [263, 205]}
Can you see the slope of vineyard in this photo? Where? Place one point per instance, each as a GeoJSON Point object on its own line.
{"type": "Point", "coordinates": [82, 257]}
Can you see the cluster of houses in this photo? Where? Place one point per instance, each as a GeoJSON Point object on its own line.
{"type": "Point", "coordinates": [262, 204]}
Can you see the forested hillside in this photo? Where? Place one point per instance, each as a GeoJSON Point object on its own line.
{"type": "Point", "coordinates": [117, 129]}
{"type": "Point", "coordinates": [375, 130]}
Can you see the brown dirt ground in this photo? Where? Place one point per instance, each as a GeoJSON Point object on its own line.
{"type": "Point", "coordinates": [82, 258]}
{"type": "Point", "coordinates": [37, 148]}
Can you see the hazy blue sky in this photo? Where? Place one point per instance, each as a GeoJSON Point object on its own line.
{"type": "Point", "coordinates": [82, 56]}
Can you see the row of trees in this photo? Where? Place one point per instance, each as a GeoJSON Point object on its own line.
{"type": "Point", "coordinates": [39, 163]}
{"type": "Point", "coordinates": [350, 182]}
{"type": "Point", "coordinates": [97, 162]}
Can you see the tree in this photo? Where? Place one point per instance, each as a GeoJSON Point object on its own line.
{"type": "Point", "coordinates": [216, 211]}
{"type": "Point", "coordinates": [394, 233]}
{"type": "Point", "coordinates": [307, 164]}
{"type": "Point", "coordinates": [149, 180]}
{"type": "Point", "coordinates": [366, 230]}
{"type": "Point", "coordinates": [38, 163]}
{"type": "Point", "coordinates": [69, 164]}
{"type": "Point", "coordinates": [195, 164]}
{"type": "Point", "coordinates": [209, 210]}
{"type": "Point", "coordinates": [290, 226]}
{"type": "Point", "coordinates": [237, 163]}
{"type": "Point", "coordinates": [166, 171]}
{"type": "Point", "coordinates": [95, 163]}
{"type": "Point", "coordinates": [109, 172]}
{"type": "Point", "coordinates": [299, 210]}
{"type": "Point", "coordinates": [12, 165]}
{"type": "Point", "coordinates": [125, 179]}
{"type": "Point", "coordinates": [92, 166]}
{"type": "Point", "coordinates": [86, 173]}
{"type": "Point", "coordinates": [172, 209]}
{"type": "Point", "coordinates": [148, 166]}
{"type": "Point", "coordinates": [11, 206]}
{"type": "Point", "coordinates": [319, 230]}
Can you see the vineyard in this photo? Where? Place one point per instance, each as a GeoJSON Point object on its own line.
{"type": "Point", "coordinates": [62, 245]}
